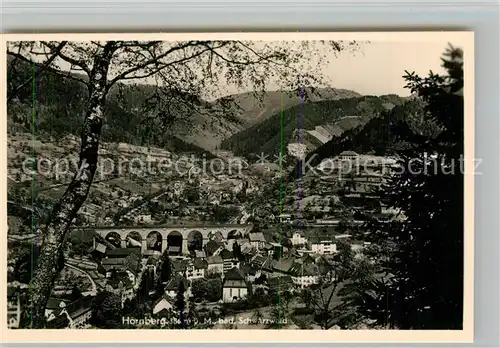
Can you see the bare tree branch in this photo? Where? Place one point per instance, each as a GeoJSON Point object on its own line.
{"type": "Point", "coordinates": [125, 74]}
{"type": "Point", "coordinates": [39, 71]}
{"type": "Point", "coordinates": [72, 61]}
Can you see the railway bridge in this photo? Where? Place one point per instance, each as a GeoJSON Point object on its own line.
{"type": "Point", "coordinates": [161, 237]}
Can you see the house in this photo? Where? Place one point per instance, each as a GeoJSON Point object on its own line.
{"type": "Point", "coordinates": [75, 315]}
{"type": "Point", "coordinates": [257, 240]}
{"type": "Point", "coordinates": [283, 266]}
{"type": "Point", "coordinates": [121, 285]}
{"type": "Point", "coordinates": [250, 272]}
{"type": "Point", "coordinates": [247, 249]}
{"type": "Point", "coordinates": [263, 262]}
{"type": "Point", "coordinates": [163, 304]}
{"type": "Point", "coordinates": [98, 249]}
{"type": "Point", "coordinates": [298, 239]}
{"type": "Point", "coordinates": [196, 269]}
{"type": "Point", "coordinates": [59, 322]}
{"type": "Point", "coordinates": [215, 264]}
{"type": "Point", "coordinates": [213, 247]}
{"type": "Point", "coordinates": [179, 267]}
{"type": "Point", "coordinates": [348, 155]}
{"type": "Point", "coordinates": [305, 275]}
{"type": "Point", "coordinates": [53, 305]}
{"type": "Point", "coordinates": [79, 312]}
{"type": "Point", "coordinates": [13, 307]}
{"type": "Point", "coordinates": [285, 217]}
{"type": "Point", "coordinates": [229, 260]}
{"type": "Point", "coordinates": [323, 246]}
{"type": "Point", "coordinates": [143, 219]}
{"type": "Point", "coordinates": [129, 264]}
{"type": "Point", "coordinates": [152, 263]}
{"type": "Point", "coordinates": [281, 283]}
{"type": "Point", "coordinates": [173, 286]}
{"type": "Point", "coordinates": [234, 286]}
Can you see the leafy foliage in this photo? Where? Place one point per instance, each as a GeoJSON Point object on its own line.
{"type": "Point", "coordinates": [180, 304]}
{"type": "Point", "coordinates": [106, 311]}
{"type": "Point", "coordinates": [425, 260]}
{"type": "Point", "coordinates": [207, 289]}
{"type": "Point", "coordinates": [26, 263]}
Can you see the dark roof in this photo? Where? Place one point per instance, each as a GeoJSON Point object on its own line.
{"type": "Point", "coordinates": [307, 258]}
{"type": "Point", "coordinates": [248, 269]}
{"type": "Point", "coordinates": [200, 263]}
{"type": "Point", "coordinates": [79, 307]}
{"type": "Point", "coordinates": [226, 254]}
{"type": "Point", "coordinates": [284, 265]}
{"type": "Point", "coordinates": [53, 303]}
{"type": "Point", "coordinates": [309, 269]}
{"type": "Point", "coordinates": [234, 274]}
{"type": "Point", "coordinates": [259, 259]}
{"type": "Point", "coordinates": [268, 237]}
{"type": "Point", "coordinates": [59, 322]}
{"type": "Point", "coordinates": [234, 278]}
{"type": "Point", "coordinates": [131, 263]}
{"type": "Point", "coordinates": [269, 263]}
{"type": "Point", "coordinates": [178, 265]}
{"type": "Point", "coordinates": [123, 252]}
{"type": "Point", "coordinates": [324, 266]}
{"type": "Point", "coordinates": [212, 247]}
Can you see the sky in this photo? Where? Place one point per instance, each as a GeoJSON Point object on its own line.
{"type": "Point", "coordinates": [377, 68]}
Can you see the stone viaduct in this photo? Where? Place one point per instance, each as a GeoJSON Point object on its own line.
{"type": "Point", "coordinates": [183, 233]}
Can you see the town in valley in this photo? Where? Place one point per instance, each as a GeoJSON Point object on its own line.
{"type": "Point", "coordinates": [272, 217]}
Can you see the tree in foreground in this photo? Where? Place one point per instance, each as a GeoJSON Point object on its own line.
{"type": "Point", "coordinates": [186, 71]}
{"type": "Point", "coordinates": [180, 304]}
{"type": "Point", "coordinates": [426, 261]}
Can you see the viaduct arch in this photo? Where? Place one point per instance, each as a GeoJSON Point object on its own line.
{"type": "Point", "coordinates": [160, 237]}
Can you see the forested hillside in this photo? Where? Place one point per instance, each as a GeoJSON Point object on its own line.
{"type": "Point", "coordinates": [382, 135]}
{"type": "Point", "coordinates": [282, 128]}
{"type": "Point", "coordinates": [54, 105]}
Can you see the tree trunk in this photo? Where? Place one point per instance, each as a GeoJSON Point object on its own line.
{"type": "Point", "coordinates": [65, 210]}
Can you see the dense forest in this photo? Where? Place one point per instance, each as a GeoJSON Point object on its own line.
{"type": "Point", "coordinates": [283, 127]}
{"type": "Point", "coordinates": [133, 114]}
